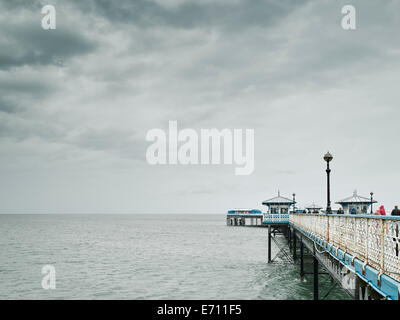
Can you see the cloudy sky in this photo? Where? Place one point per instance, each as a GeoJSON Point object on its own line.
{"type": "Point", "coordinates": [76, 102]}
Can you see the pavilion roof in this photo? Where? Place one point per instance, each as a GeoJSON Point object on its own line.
{"type": "Point", "coordinates": [355, 198]}
{"type": "Point", "coordinates": [314, 206]}
{"type": "Point", "coordinates": [278, 200]}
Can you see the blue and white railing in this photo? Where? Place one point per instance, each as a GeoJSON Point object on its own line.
{"type": "Point", "coordinates": [276, 218]}
{"type": "Point", "coordinates": [367, 245]}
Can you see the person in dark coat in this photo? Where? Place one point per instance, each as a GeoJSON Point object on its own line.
{"type": "Point", "coordinates": [340, 211]}
{"type": "Point", "coordinates": [353, 211]}
{"type": "Point", "coordinates": [396, 211]}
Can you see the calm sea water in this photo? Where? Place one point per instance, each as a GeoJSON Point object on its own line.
{"type": "Point", "coordinates": [143, 257]}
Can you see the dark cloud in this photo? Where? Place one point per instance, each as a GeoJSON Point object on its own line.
{"type": "Point", "coordinates": [28, 44]}
{"type": "Point", "coordinates": [126, 144]}
{"type": "Point", "coordinates": [115, 69]}
{"type": "Point", "coordinates": [8, 106]}
{"type": "Point", "coordinates": [17, 5]}
{"type": "Point", "coordinates": [191, 14]}
{"type": "Point", "coordinates": [20, 94]}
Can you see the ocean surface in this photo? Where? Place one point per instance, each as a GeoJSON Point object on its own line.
{"type": "Point", "coordinates": [144, 257]}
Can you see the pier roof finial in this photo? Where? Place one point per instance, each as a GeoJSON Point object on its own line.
{"type": "Point", "coordinates": [279, 193]}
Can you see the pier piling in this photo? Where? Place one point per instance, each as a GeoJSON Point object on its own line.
{"type": "Point", "coordinates": [316, 289]}
{"type": "Point", "coordinates": [269, 244]}
{"type": "Point", "coordinates": [301, 261]}
{"type": "Point", "coordinates": [294, 246]}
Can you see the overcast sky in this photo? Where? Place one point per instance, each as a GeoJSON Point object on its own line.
{"type": "Point", "coordinates": [76, 102]}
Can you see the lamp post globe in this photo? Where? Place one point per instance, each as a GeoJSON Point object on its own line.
{"type": "Point", "coordinates": [328, 157]}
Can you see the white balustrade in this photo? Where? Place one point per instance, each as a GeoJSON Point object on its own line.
{"type": "Point", "coordinates": [374, 240]}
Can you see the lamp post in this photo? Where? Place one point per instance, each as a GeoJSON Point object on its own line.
{"type": "Point", "coordinates": [371, 201]}
{"type": "Point", "coordinates": [328, 158]}
{"type": "Point", "coordinates": [294, 202]}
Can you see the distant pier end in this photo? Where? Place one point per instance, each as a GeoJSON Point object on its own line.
{"type": "Point", "coordinates": [277, 213]}
{"type": "Point", "coordinates": [245, 217]}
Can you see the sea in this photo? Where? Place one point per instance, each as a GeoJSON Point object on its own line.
{"type": "Point", "coordinates": [138, 256]}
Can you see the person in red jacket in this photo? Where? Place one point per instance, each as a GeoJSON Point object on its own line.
{"type": "Point", "coordinates": [381, 211]}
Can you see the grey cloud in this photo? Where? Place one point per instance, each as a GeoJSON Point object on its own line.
{"type": "Point", "coordinates": [126, 144]}
{"type": "Point", "coordinates": [21, 91]}
{"type": "Point", "coordinates": [284, 68]}
{"type": "Point", "coordinates": [29, 44]}
{"type": "Point", "coordinates": [16, 5]}
{"type": "Point", "coordinates": [192, 14]}
{"type": "Point", "coordinates": [25, 86]}
{"type": "Point", "coordinates": [8, 106]}
{"type": "Point", "coordinates": [18, 128]}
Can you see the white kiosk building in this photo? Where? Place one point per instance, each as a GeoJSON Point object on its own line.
{"type": "Point", "coordinates": [278, 204]}
{"type": "Point", "coordinates": [361, 205]}
{"type": "Point", "coordinates": [313, 208]}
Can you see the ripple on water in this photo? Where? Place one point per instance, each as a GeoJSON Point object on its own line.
{"type": "Point", "coordinates": [136, 257]}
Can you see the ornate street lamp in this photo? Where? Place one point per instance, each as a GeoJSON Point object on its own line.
{"type": "Point", "coordinates": [328, 158]}
{"type": "Point", "coordinates": [371, 201]}
{"type": "Point", "coordinates": [294, 202]}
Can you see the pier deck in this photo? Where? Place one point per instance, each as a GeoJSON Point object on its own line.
{"type": "Point", "coordinates": [360, 252]}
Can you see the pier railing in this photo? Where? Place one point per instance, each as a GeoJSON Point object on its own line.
{"type": "Point", "coordinates": [276, 218]}
{"type": "Point", "coordinates": [375, 240]}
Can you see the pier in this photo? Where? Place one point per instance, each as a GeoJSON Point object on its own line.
{"type": "Point", "coordinates": [361, 253]}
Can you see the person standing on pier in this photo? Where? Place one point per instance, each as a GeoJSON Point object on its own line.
{"type": "Point", "coordinates": [395, 211]}
{"type": "Point", "coordinates": [381, 211]}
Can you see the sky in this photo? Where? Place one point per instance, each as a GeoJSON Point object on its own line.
{"type": "Point", "coordinates": [77, 102]}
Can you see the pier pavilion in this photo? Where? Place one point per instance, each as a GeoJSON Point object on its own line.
{"type": "Point", "coordinates": [278, 204]}
{"type": "Point", "coordinates": [360, 204]}
{"type": "Point", "coordinates": [313, 208]}
{"type": "Point", "coordinates": [244, 217]}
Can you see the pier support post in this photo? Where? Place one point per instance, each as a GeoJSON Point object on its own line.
{"type": "Point", "coordinates": [290, 238]}
{"type": "Point", "coordinates": [357, 288]}
{"type": "Point", "coordinates": [269, 244]}
{"type": "Point", "coordinates": [316, 289]}
{"type": "Point", "coordinates": [294, 246]}
{"type": "Point", "coordinates": [301, 261]}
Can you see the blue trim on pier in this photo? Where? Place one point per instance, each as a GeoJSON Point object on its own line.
{"type": "Point", "coordinates": [245, 211]}
{"type": "Point", "coordinates": [276, 218]}
{"type": "Point", "coordinates": [352, 216]}
{"type": "Point", "coordinates": [388, 287]}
